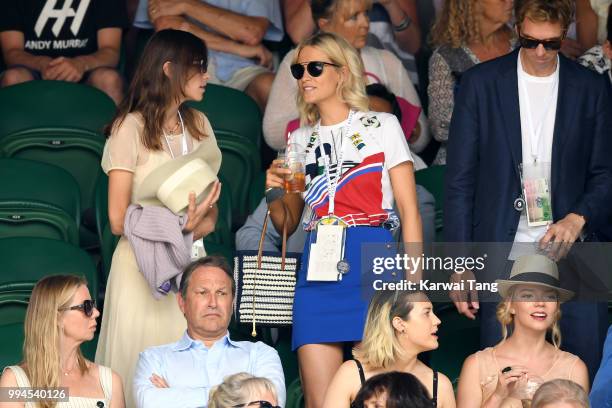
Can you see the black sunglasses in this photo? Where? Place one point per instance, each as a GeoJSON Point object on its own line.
{"type": "Point", "coordinates": [202, 64]}
{"type": "Point", "coordinates": [87, 307]}
{"type": "Point", "coordinates": [261, 404]}
{"type": "Point", "coordinates": [314, 68]}
{"type": "Point", "coordinates": [553, 44]}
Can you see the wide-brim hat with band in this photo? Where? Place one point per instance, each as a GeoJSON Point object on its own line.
{"type": "Point", "coordinates": [537, 270]}
{"type": "Point", "coordinates": [170, 184]}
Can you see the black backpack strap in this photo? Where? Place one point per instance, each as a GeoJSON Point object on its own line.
{"type": "Point", "coordinates": [360, 369]}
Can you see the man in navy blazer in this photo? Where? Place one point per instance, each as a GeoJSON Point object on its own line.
{"type": "Point", "coordinates": [532, 105]}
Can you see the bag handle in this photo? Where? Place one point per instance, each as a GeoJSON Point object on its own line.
{"type": "Point", "coordinates": [260, 253]}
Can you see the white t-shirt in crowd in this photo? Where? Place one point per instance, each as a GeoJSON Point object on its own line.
{"type": "Point", "coordinates": [538, 101]}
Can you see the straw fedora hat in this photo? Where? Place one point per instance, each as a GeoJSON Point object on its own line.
{"type": "Point", "coordinates": [534, 269]}
{"type": "Point", "coordinates": [169, 185]}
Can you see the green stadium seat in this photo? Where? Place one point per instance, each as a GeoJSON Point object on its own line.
{"type": "Point", "coordinates": [432, 178]}
{"type": "Point", "coordinates": [458, 337]}
{"type": "Point", "coordinates": [232, 113]}
{"type": "Point", "coordinates": [295, 396]}
{"type": "Point", "coordinates": [239, 165]}
{"type": "Point", "coordinates": [38, 199]}
{"type": "Point", "coordinates": [36, 104]}
{"type": "Point", "coordinates": [27, 260]}
{"type": "Point", "coordinates": [78, 151]}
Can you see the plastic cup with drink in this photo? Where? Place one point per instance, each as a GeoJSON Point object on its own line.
{"type": "Point", "coordinates": [294, 156]}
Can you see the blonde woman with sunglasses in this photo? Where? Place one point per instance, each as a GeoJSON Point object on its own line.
{"type": "Point", "coordinates": [60, 317]}
{"type": "Point", "coordinates": [357, 165]}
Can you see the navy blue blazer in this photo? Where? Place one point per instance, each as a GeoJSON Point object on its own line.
{"type": "Point", "coordinates": [484, 151]}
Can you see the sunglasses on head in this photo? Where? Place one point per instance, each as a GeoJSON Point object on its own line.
{"type": "Point", "coordinates": [87, 307]}
{"type": "Point", "coordinates": [553, 44]}
{"type": "Point", "coordinates": [314, 68]}
{"type": "Point", "coordinates": [257, 404]}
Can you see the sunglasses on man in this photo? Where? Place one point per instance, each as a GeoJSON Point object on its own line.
{"type": "Point", "coordinates": [552, 44]}
{"type": "Point", "coordinates": [256, 404]}
{"type": "Point", "coordinates": [87, 307]}
{"type": "Point", "coordinates": [314, 68]}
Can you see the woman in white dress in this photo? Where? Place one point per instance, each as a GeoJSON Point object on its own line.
{"type": "Point", "coordinates": [61, 316]}
{"type": "Point", "coordinates": [152, 127]}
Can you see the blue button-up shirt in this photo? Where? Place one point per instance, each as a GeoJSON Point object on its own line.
{"type": "Point", "coordinates": [191, 369]}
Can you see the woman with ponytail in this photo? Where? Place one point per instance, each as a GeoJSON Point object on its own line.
{"type": "Point", "coordinates": [399, 326]}
{"type": "Point", "coordinates": [513, 370]}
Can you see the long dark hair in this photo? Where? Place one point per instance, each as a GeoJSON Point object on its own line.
{"type": "Point", "coordinates": [402, 389]}
{"type": "Point", "coordinates": [151, 91]}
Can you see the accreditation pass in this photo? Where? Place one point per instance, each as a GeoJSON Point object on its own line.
{"type": "Point", "coordinates": [326, 253]}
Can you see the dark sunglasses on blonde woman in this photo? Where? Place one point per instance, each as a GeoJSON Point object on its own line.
{"type": "Point", "coordinates": [314, 68]}
{"type": "Point", "coordinates": [87, 307]}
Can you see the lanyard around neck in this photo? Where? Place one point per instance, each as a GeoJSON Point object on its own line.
{"type": "Point", "coordinates": [184, 148]}
{"type": "Point", "coordinates": [332, 184]}
{"type": "Point", "coordinates": [535, 132]}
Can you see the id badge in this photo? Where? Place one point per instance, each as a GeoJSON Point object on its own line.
{"type": "Point", "coordinates": [536, 191]}
{"type": "Point", "coordinates": [326, 253]}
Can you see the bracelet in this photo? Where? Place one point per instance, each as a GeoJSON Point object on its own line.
{"type": "Point", "coordinates": [404, 24]}
{"type": "Point", "coordinates": [273, 194]}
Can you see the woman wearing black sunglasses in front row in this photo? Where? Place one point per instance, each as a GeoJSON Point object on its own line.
{"type": "Point", "coordinates": [61, 316]}
{"type": "Point", "coordinates": [243, 390]}
{"type": "Point", "coordinates": [357, 164]}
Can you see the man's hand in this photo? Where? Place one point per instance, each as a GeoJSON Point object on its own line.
{"type": "Point", "coordinates": [161, 8]}
{"type": "Point", "coordinates": [158, 381]}
{"type": "Point", "coordinates": [258, 52]}
{"type": "Point", "coordinates": [466, 301]}
{"type": "Point", "coordinates": [172, 22]}
{"type": "Point", "coordinates": [64, 69]}
{"type": "Point", "coordinates": [561, 235]}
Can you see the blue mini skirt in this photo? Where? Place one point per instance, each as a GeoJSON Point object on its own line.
{"type": "Point", "coordinates": [331, 312]}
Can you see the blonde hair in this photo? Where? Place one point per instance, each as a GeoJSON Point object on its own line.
{"type": "Point", "coordinates": [237, 389]}
{"type": "Point", "coordinates": [380, 346]}
{"type": "Point", "coordinates": [553, 11]}
{"type": "Point", "coordinates": [457, 24]}
{"type": "Point", "coordinates": [351, 90]}
{"type": "Point", "coordinates": [560, 390]}
{"type": "Point", "coordinates": [507, 319]}
{"type": "Point", "coordinates": [41, 356]}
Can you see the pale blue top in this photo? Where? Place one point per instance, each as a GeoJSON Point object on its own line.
{"type": "Point", "coordinates": [227, 64]}
{"type": "Point", "coordinates": [191, 370]}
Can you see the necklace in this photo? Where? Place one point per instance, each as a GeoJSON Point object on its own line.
{"type": "Point", "coordinates": [67, 372]}
{"type": "Point", "coordinates": [175, 128]}
{"type": "Point", "coordinates": [184, 148]}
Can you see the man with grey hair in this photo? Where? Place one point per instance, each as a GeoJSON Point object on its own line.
{"type": "Point", "coordinates": [182, 374]}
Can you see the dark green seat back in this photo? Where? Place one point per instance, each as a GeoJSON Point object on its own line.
{"type": "Point", "coordinates": [39, 200]}
{"type": "Point", "coordinates": [240, 164]}
{"type": "Point", "coordinates": [26, 180]}
{"type": "Point", "coordinates": [78, 151]}
{"type": "Point", "coordinates": [432, 178]}
{"type": "Point", "coordinates": [232, 111]}
{"type": "Point", "coordinates": [458, 337]}
{"type": "Point", "coordinates": [37, 104]}
{"type": "Point", "coordinates": [30, 259]}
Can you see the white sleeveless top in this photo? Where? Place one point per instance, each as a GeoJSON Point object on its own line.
{"type": "Point", "coordinates": [106, 380]}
